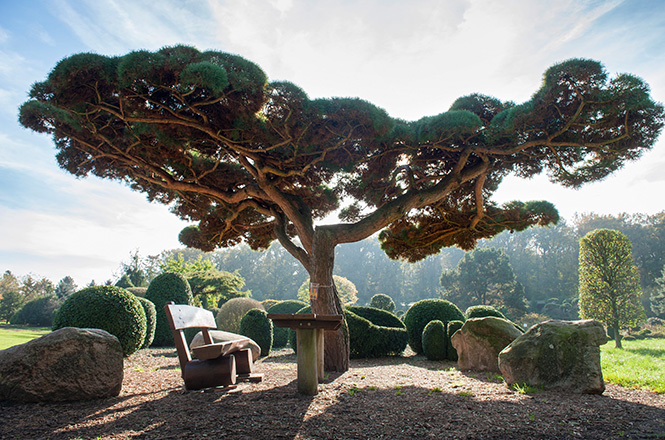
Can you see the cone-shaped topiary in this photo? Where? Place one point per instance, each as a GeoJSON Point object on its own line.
{"type": "Point", "coordinates": [424, 311]}
{"type": "Point", "coordinates": [280, 336]}
{"type": "Point", "coordinates": [108, 308]}
{"type": "Point", "coordinates": [256, 326]}
{"type": "Point", "coordinates": [434, 341]}
{"type": "Point", "coordinates": [453, 326]}
{"type": "Point", "coordinates": [164, 288]}
{"type": "Point", "coordinates": [150, 320]}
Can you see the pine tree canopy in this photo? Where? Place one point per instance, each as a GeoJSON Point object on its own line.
{"type": "Point", "coordinates": [253, 161]}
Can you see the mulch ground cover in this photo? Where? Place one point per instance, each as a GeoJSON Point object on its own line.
{"type": "Point", "coordinates": [405, 397]}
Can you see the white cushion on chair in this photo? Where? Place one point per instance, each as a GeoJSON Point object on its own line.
{"type": "Point", "coordinates": [222, 336]}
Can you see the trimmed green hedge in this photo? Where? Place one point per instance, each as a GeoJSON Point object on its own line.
{"type": "Point", "coordinates": [150, 320]}
{"type": "Point", "coordinates": [434, 341]}
{"type": "Point", "coordinates": [164, 288]}
{"type": "Point", "coordinates": [483, 311]}
{"type": "Point", "coordinates": [424, 311]}
{"type": "Point", "coordinates": [108, 308]}
{"type": "Point", "coordinates": [256, 326]}
{"type": "Point", "coordinates": [280, 336]}
{"type": "Point", "coordinates": [374, 332]}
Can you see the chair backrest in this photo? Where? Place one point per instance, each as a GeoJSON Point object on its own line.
{"type": "Point", "coordinates": [182, 316]}
{"type": "Point", "coordinates": [185, 316]}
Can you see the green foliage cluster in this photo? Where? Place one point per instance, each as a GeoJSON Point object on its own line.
{"type": "Point", "coordinates": [481, 311]}
{"type": "Point", "coordinates": [150, 320]}
{"type": "Point", "coordinates": [231, 312]}
{"type": "Point", "coordinates": [382, 301]}
{"type": "Point", "coordinates": [280, 336]}
{"type": "Point", "coordinates": [37, 313]}
{"type": "Point", "coordinates": [108, 308]}
{"type": "Point", "coordinates": [424, 311]}
{"type": "Point", "coordinates": [374, 332]}
{"type": "Point", "coordinates": [435, 340]}
{"type": "Point", "coordinates": [609, 283]}
{"type": "Point", "coordinates": [165, 288]}
{"type": "Point", "coordinates": [210, 286]}
{"type": "Point", "coordinates": [256, 326]}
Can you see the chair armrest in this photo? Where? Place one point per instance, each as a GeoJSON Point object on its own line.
{"type": "Point", "coordinates": [213, 351]}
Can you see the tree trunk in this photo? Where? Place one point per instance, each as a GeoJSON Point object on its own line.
{"type": "Point", "coordinates": [617, 337]}
{"type": "Point", "coordinates": [327, 300]}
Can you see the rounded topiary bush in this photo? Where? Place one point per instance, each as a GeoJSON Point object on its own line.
{"type": "Point", "coordinates": [384, 336]}
{"type": "Point", "coordinates": [164, 288]}
{"type": "Point", "coordinates": [150, 320]}
{"type": "Point", "coordinates": [453, 326]}
{"type": "Point", "coordinates": [424, 311]}
{"type": "Point", "coordinates": [37, 313]}
{"type": "Point", "coordinates": [280, 336]}
{"type": "Point", "coordinates": [256, 326]}
{"type": "Point", "coordinates": [383, 302]}
{"type": "Point", "coordinates": [137, 291]}
{"type": "Point", "coordinates": [434, 340]}
{"type": "Point", "coordinates": [108, 308]}
{"type": "Point", "coordinates": [231, 312]}
{"type": "Point", "coordinates": [483, 311]}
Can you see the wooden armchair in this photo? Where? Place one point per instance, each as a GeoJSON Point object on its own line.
{"type": "Point", "coordinates": [216, 364]}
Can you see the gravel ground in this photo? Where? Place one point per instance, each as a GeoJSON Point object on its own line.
{"type": "Point", "coordinates": [389, 398]}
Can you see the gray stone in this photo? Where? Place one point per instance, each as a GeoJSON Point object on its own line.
{"type": "Point", "coordinates": [557, 355]}
{"type": "Point", "coordinates": [480, 340]}
{"type": "Point", "coordinates": [67, 364]}
{"type": "Point", "coordinates": [222, 336]}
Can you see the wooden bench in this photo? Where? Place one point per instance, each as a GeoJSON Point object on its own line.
{"type": "Point", "coordinates": [215, 364]}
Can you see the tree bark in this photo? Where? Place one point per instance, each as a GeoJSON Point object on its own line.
{"type": "Point", "coordinates": [617, 337]}
{"type": "Point", "coordinates": [327, 301]}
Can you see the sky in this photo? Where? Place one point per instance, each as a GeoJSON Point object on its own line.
{"type": "Point", "coordinates": [413, 58]}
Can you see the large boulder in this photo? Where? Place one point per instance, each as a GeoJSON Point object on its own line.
{"type": "Point", "coordinates": [67, 364]}
{"type": "Point", "coordinates": [480, 340]}
{"type": "Point", "coordinates": [222, 336]}
{"type": "Point", "coordinates": [557, 355]}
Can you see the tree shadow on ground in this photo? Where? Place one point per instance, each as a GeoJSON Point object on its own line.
{"type": "Point", "coordinates": [236, 413]}
{"type": "Point", "coordinates": [418, 413]}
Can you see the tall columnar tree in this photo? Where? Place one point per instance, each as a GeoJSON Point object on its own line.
{"type": "Point", "coordinates": [609, 283]}
{"type": "Point", "coordinates": [253, 161]}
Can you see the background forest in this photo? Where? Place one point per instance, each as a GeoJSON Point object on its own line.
{"type": "Point", "coordinates": [521, 273]}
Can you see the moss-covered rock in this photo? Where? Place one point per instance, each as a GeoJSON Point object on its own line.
{"type": "Point", "coordinates": [480, 340]}
{"type": "Point", "coordinates": [557, 355]}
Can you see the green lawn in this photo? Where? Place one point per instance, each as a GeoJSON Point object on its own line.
{"type": "Point", "coordinates": [11, 335]}
{"type": "Point", "coordinates": [640, 364]}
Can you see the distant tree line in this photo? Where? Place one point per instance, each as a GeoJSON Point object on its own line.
{"type": "Point", "coordinates": [535, 271]}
